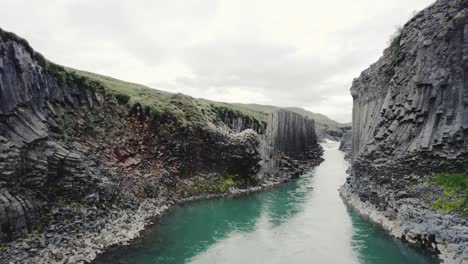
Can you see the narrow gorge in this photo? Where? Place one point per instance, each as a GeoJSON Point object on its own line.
{"type": "Point", "coordinates": [84, 165]}
{"type": "Point", "coordinates": [99, 170]}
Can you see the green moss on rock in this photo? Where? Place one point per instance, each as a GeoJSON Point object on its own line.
{"type": "Point", "coordinates": [455, 192]}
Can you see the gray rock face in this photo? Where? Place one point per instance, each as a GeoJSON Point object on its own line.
{"type": "Point", "coordinates": [237, 122]}
{"type": "Point", "coordinates": [64, 140]}
{"type": "Point", "coordinates": [415, 98]}
{"type": "Point", "coordinates": [29, 157]}
{"type": "Point", "coordinates": [292, 134]}
{"type": "Point", "coordinates": [346, 143]}
{"type": "Point", "coordinates": [410, 120]}
{"type": "Point", "coordinates": [71, 151]}
{"type": "Point", "coordinates": [289, 139]}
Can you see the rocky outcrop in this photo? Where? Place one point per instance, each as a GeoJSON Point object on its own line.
{"type": "Point", "coordinates": [415, 97]}
{"type": "Point", "coordinates": [64, 137]}
{"type": "Point", "coordinates": [410, 119]}
{"type": "Point", "coordinates": [289, 140]}
{"type": "Point", "coordinates": [325, 128]}
{"type": "Point", "coordinates": [78, 159]}
{"type": "Point", "coordinates": [346, 143]}
{"type": "Point", "coordinates": [325, 132]}
{"type": "Point", "coordinates": [292, 134]}
{"type": "Point", "coordinates": [238, 121]}
{"type": "Point", "coordinates": [30, 158]}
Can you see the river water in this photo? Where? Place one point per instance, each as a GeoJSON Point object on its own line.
{"type": "Point", "coordinates": [302, 221]}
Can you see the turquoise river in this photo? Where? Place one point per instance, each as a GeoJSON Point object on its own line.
{"type": "Point", "coordinates": [302, 221]}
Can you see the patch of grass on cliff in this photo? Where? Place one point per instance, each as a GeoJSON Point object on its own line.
{"type": "Point", "coordinates": [226, 183]}
{"type": "Point", "coordinates": [459, 15]}
{"type": "Point", "coordinates": [239, 110]}
{"type": "Point", "coordinates": [231, 180]}
{"type": "Point", "coordinates": [186, 109]}
{"type": "Point", "coordinates": [159, 102]}
{"type": "Point", "coordinates": [395, 44]}
{"type": "Point", "coordinates": [146, 96]}
{"type": "Point", "coordinates": [220, 184]}
{"type": "Point", "coordinates": [455, 196]}
{"type": "Point", "coordinates": [317, 117]}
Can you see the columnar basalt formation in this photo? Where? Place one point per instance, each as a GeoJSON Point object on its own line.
{"type": "Point", "coordinates": [346, 142]}
{"type": "Point", "coordinates": [289, 139]}
{"type": "Point", "coordinates": [77, 157]}
{"type": "Point", "coordinates": [63, 137]}
{"type": "Point", "coordinates": [292, 134]}
{"type": "Point", "coordinates": [410, 120]}
{"type": "Point", "coordinates": [239, 122]}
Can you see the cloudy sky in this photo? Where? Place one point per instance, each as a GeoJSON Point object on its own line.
{"type": "Point", "coordinates": [301, 53]}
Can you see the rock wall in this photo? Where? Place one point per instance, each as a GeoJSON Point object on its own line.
{"type": "Point", "coordinates": [289, 139]}
{"type": "Point", "coordinates": [64, 139]}
{"type": "Point", "coordinates": [238, 122]}
{"type": "Point", "coordinates": [415, 98]}
{"type": "Point", "coordinates": [29, 157]}
{"type": "Point", "coordinates": [410, 120]}
{"type": "Point", "coordinates": [72, 150]}
{"type": "Point", "coordinates": [292, 134]}
{"type": "Point", "coordinates": [346, 143]}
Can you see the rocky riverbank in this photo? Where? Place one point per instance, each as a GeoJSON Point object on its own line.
{"type": "Point", "coordinates": [86, 161]}
{"type": "Point", "coordinates": [92, 230]}
{"type": "Point", "coordinates": [412, 221]}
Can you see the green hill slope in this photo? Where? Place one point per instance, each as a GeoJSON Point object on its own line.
{"type": "Point", "coordinates": [161, 101]}
{"type": "Point", "coordinates": [319, 118]}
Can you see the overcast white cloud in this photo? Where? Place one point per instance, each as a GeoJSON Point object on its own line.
{"type": "Point", "coordinates": [301, 53]}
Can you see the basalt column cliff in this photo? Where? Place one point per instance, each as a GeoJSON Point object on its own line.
{"type": "Point", "coordinates": [86, 160]}
{"type": "Point", "coordinates": [410, 124]}
{"type": "Point", "coordinates": [290, 144]}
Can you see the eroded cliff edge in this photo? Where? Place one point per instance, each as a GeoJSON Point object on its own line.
{"type": "Point", "coordinates": [84, 162]}
{"type": "Point", "coordinates": [410, 121]}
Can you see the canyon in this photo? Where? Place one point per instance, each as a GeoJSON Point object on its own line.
{"type": "Point", "coordinates": [87, 162]}
{"type": "Point", "coordinates": [85, 166]}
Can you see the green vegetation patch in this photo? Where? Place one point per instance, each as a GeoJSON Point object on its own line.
{"type": "Point", "coordinates": [220, 184]}
{"type": "Point", "coordinates": [239, 110]}
{"type": "Point", "coordinates": [455, 196]}
{"type": "Point", "coordinates": [395, 45]}
{"type": "Point", "coordinates": [231, 180]}
{"type": "Point", "coordinates": [317, 117]}
{"type": "Point", "coordinates": [185, 109]}
{"type": "Point", "coordinates": [182, 109]}
{"type": "Point", "coordinates": [460, 15]}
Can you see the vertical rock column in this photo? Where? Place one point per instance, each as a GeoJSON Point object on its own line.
{"type": "Point", "coordinates": [289, 136]}
{"type": "Point", "coordinates": [292, 134]}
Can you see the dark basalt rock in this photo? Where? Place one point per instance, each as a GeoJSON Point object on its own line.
{"type": "Point", "coordinates": [64, 141]}
{"type": "Point", "coordinates": [292, 134]}
{"type": "Point", "coordinates": [289, 140]}
{"type": "Point", "coordinates": [72, 151]}
{"type": "Point", "coordinates": [410, 120]}
{"type": "Point", "coordinates": [414, 98]}
{"type": "Point", "coordinates": [346, 143]}
{"type": "Point", "coordinates": [30, 159]}
{"type": "Point", "coordinates": [239, 122]}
